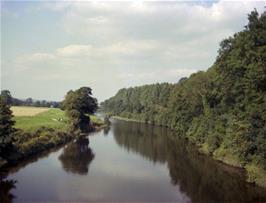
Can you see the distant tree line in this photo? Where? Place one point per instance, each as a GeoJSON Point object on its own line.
{"type": "Point", "coordinates": [8, 99]}
{"type": "Point", "coordinates": [223, 110]}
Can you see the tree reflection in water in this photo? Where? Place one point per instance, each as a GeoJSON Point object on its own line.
{"type": "Point", "coordinates": [77, 156]}
{"type": "Point", "coordinates": [201, 178]}
{"type": "Point", "coordinates": [106, 130]}
{"type": "Point", "coordinates": [5, 190]}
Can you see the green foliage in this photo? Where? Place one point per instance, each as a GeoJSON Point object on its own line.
{"type": "Point", "coordinates": [222, 110]}
{"type": "Point", "coordinates": [29, 143]}
{"type": "Point", "coordinates": [6, 125]}
{"type": "Point", "coordinates": [77, 105]}
{"type": "Point", "coordinates": [77, 156]}
{"type": "Point", "coordinates": [6, 97]}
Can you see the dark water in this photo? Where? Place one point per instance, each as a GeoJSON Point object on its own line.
{"type": "Point", "coordinates": [129, 162]}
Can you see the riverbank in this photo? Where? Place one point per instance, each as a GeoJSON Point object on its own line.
{"type": "Point", "coordinates": [254, 173]}
{"type": "Point", "coordinates": [127, 119]}
{"type": "Point", "coordinates": [36, 133]}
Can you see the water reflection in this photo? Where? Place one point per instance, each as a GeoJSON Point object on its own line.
{"type": "Point", "coordinates": [123, 171]}
{"type": "Point", "coordinates": [77, 156]}
{"type": "Point", "coordinates": [106, 130]}
{"type": "Point", "coordinates": [201, 178]}
{"type": "Point", "coordinates": [6, 185]}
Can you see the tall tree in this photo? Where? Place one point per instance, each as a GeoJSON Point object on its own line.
{"type": "Point", "coordinates": [78, 104]}
{"type": "Point", "coordinates": [6, 125]}
{"type": "Point", "coordinates": [6, 96]}
{"type": "Point", "coordinates": [29, 101]}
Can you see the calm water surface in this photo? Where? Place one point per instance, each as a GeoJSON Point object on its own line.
{"type": "Point", "coordinates": [129, 162]}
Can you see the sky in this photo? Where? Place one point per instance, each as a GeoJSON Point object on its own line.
{"type": "Point", "coordinates": [50, 47]}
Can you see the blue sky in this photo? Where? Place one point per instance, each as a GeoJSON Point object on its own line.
{"type": "Point", "coordinates": [48, 48]}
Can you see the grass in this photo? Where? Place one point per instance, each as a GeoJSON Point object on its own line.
{"type": "Point", "coordinates": [27, 111]}
{"type": "Point", "coordinates": [46, 117]}
{"type": "Point", "coordinates": [96, 120]}
{"type": "Point", "coordinates": [50, 118]}
{"type": "Point", "coordinates": [127, 119]}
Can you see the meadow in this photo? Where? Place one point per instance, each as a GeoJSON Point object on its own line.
{"type": "Point", "coordinates": [27, 110]}
{"type": "Point", "coordinates": [32, 118]}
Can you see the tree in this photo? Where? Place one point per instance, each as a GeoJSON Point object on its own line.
{"type": "Point", "coordinates": [78, 104]}
{"type": "Point", "coordinates": [6, 96]}
{"type": "Point", "coordinates": [6, 125]}
{"type": "Point", "coordinates": [29, 101]}
{"type": "Point", "coordinates": [77, 156]}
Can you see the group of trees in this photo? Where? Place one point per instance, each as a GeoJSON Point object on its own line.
{"type": "Point", "coordinates": [223, 109]}
{"type": "Point", "coordinates": [7, 97]}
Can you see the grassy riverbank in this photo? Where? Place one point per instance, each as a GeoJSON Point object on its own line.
{"type": "Point", "coordinates": [31, 119]}
{"type": "Point", "coordinates": [40, 129]}
{"type": "Point", "coordinates": [127, 119]}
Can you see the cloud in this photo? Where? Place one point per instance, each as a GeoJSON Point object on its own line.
{"type": "Point", "coordinates": [178, 30]}
{"type": "Point", "coordinates": [110, 45]}
{"type": "Point", "coordinates": [169, 75]}
{"type": "Point", "coordinates": [119, 48]}
{"type": "Point", "coordinates": [36, 57]}
{"type": "Point", "coordinates": [154, 20]}
{"type": "Point", "coordinates": [74, 50]}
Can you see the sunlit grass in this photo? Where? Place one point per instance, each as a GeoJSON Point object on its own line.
{"type": "Point", "coordinates": [47, 117]}
{"type": "Point", "coordinates": [27, 110]}
{"type": "Point", "coordinates": [51, 118]}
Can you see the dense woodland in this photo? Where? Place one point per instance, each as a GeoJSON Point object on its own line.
{"type": "Point", "coordinates": [223, 110]}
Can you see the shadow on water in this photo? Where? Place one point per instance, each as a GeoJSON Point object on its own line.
{"type": "Point", "coordinates": [200, 177]}
{"type": "Point", "coordinates": [106, 130]}
{"type": "Point", "coordinates": [6, 185]}
{"type": "Point", "coordinates": [77, 156]}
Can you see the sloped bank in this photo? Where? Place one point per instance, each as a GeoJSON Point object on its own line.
{"type": "Point", "coordinates": [29, 144]}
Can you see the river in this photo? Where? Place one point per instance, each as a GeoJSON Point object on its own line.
{"type": "Point", "coordinates": [129, 162]}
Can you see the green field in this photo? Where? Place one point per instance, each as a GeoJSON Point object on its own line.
{"type": "Point", "coordinates": [52, 118]}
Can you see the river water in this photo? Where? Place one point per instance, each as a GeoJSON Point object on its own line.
{"type": "Point", "coordinates": [129, 162]}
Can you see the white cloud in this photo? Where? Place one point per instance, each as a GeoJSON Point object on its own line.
{"type": "Point", "coordinates": [115, 50]}
{"type": "Point", "coordinates": [40, 57]}
{"type": "Point", "coordinates": [169, 75]}
{"type": "Point", "coordinates": [110, 45]}
{"type": "Point", "coordinates": [74, 50]}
